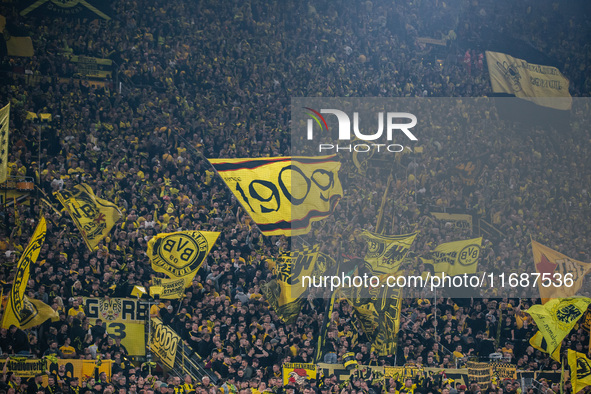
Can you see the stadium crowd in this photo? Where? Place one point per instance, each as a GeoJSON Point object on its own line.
{"type": "Point", "coordinates": [220, 75]}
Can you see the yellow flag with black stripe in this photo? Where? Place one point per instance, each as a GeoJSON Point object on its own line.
{"type": "Point", "coordinates": [386, 252]}
{"type": "Point", "coordinates": [4, 133]}
{"type": "Point", "coordinates": [283, 195]}
{"type": "Point", "coordinates": [539, 342]}
{"type": "Point", "coordinates": [94, 216]}
{"type": "Point", "coordinates": [15, 312]}
{"type": "Point", "coordinates": [455, 258]}
{"type": "Point", "coordinates": [580, 370]}
{"type": "Point", "coordinates": [180, 255]}
{"type": "Point", "coordinates": [543, 85]}
{"type": "Point", "coordinates": [555, 319]}
{"type": "Point", "coordinates": [550, 263]}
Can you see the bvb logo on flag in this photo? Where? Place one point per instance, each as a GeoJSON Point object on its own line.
{"type": "Point", "coordinates": [374, 248]}
{"type": "Point", "coordinates": [109, 309]}
{"type": "Point", "coordinates": [469, 255]}
{"type": "Point", "coordinates": [180, 253]}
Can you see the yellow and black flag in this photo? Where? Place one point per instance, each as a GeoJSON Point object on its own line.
{"type": "Point", "coordinates": [386, 252]}
{"type": "Point", "coordinates": [179, 255]}
{"type": "Point", "coordinates": [90, 9]}
{"type": "Point", "coordinates": [93, 216]}
{"type": "Point", "coordinates": [379, 316]}
{"type": "Point", "coordinates": [540, 84]}
{"type": "Point", "coordinates": [580, 370]}
{"type": "Point", "coordinates": [283, 195]}
{"type": "Point", "coordinates": [35, 312]}
{"type": "Point", "coordinates": [170, 289]}
{"type": "Point", "coordinates": [455, 258]}
{"type": "Point", "coordinates": [291, 267]}
{"type": "Point", "coordinates": [4, 134]}
{"type": "Point", "coordinates": [555, 319]}
{"type": "Point", "coordinates": [16, 311]}
{"type": "Point", "coordinates": [287, 312]}
{"type": "Point", "coordinates": [551, 265]}
{"type": "Point", "coordinates": [288, 290]}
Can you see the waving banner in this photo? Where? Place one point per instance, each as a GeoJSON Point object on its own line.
{"type": "Point", "coordinates": [543, 85]}
{"type": "Point", "coordinates": [180, 255]}
{"type": "Point", "coordinates": [291, 267]}
{"type": "Point", "coordinates": [283, 195]}
{"type": "Point", "coordinates": [287, 292]}
{"type": "Point", "coordinates": [386, 252]}
{"type": "Point", "coordinates": [93, 216]}
{"type": "Point", "coordinates": [16, 313]}
{"type": "Point", "coordinates": [455, 258]}
{"type": "Point", "coordinates": [580, 370]}
{"type": "Point", "coordinates": [550, 262]}
{"type": "Point", "coordinates": [35, 312]}
{"type": "Point", "coordinates": [555, 319]}
{"type": "Point", "coordinates": [171, 288]}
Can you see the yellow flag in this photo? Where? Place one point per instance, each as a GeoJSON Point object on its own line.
{"type": "Point", "coordinates": [548, 263]}
{"type": "Point", "coordinates": [288, 312]}
{"type": "Point", "coordinates": [580, 370]}
{"type": "Point", "coordinates": [4, 124]}
{"type": "Point", "coordinates": [298, 373]}
{"type": "Point", "coordinates": [455, 258]}
{"type": "Point", "coordinates": [20, 46]}
{"type": "Point", "coordinates": [294, 272]}
{"type": "Point", "coordinates": [93, 216]}
{"type": "Point", "coordinates": [35, 312]}
{"type": "Point", "coordinates": [164, 341]}
{"type": "Point", "coordinates": [15, 312]}
{"type": "Point", "coordinates": [379, 316]}
{"type": "Point", "coordinates": [543, 85]}
{"type": "Point", "coordinates": [555, 320]}
{"type": "Point", "coordinates": [170, 288]}
{"type": "Point", "coordinates": [539, 342]}
{"type": "Point", "coordinates": [180, 254]}
{"type": "Point", "coordinates": [386, 252]}
{"type": "Point", "coordinates": [283, 195]}
{"type": "Point", "coordinates": [138, 291]}
{"type": "Point", "coordinates": [292, 267]}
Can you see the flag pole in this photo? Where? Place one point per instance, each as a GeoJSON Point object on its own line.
{"type": "Point", "coordinates": [562, 360]}
{"type": "Point", "coordinates": [328, 313]}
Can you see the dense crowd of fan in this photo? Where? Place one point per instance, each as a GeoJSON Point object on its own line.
{"type": "Point", "coordinates": [221, 75]}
